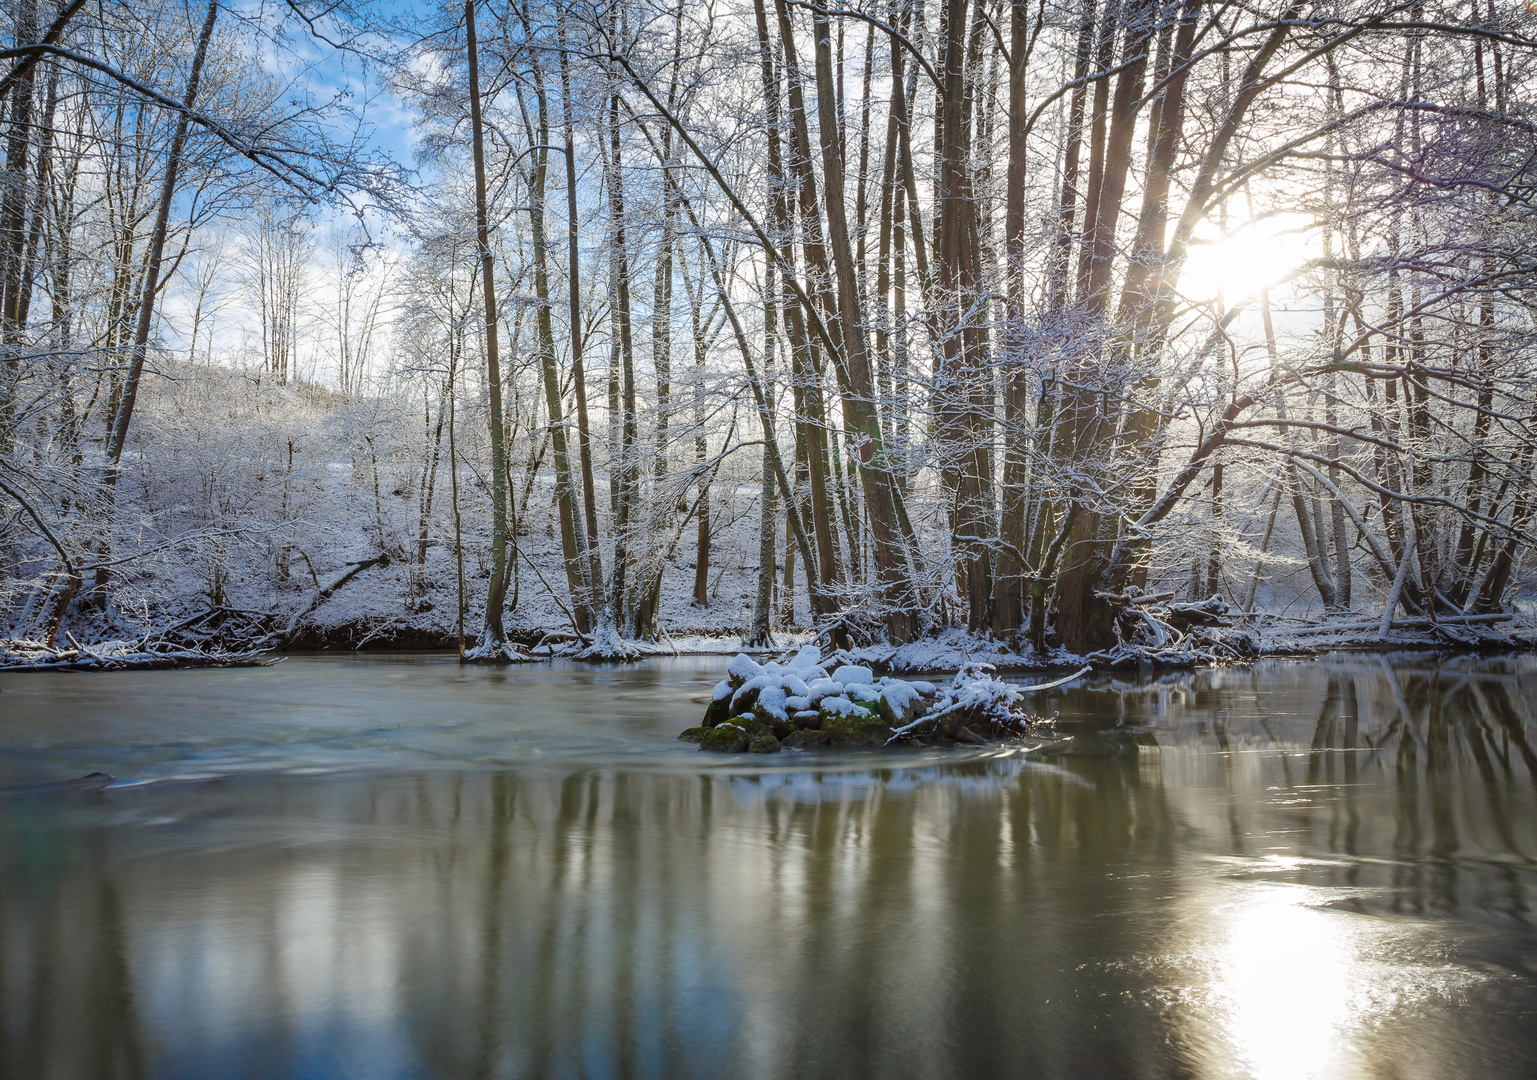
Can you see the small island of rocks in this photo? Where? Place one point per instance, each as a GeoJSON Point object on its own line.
{"type": "Point", "coordinates": [803, 703]}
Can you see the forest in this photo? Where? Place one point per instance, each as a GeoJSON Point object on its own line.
{"type": "Point", "coordinates": [591, 323]}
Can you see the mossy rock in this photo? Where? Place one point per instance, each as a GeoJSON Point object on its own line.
{"type": "Point", "coordinates": [858, 727]}
{"type": "Point", "coordinates": [804, 739]}
{"type": "Point", "coordinates": [725, 738]}
{"type": "Point", "coordinates": [767, 721]}
{"type": "Point", "coordinates": [747, 722]}
{"type": "Point", "coordinates": [742, 701]}
{"type": "Point", "coordinates": [718, 711]}
{"type": "Point", "coordinates": [693, 734]}
{"type": "Point", "coordinates": [763, 743]}
{"type": "Point", "coordinates": [915, 706]}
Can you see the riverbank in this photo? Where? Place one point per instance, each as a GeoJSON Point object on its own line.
{"type": "Point", "coordinates": [949, 650]}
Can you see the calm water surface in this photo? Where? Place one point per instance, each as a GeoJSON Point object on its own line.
{"type": "Point", "coordinates": [391, 867]}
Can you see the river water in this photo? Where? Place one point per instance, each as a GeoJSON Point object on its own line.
{"type": "Point", "coordinates": [389, 866]}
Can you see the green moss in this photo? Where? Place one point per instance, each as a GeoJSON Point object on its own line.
{"type": "Point", "coordinates": [805, 738]}
{"type": "Point", "coordinates": [725, 738]}
{"type": "Point", "coordinates": [718, 710]}
{"type": "Point", "coordinates": [763, 743]}
{"type": "Point", "coordinates": [694, 734]}
{"type": "Point", "coordinates": [861, 727]}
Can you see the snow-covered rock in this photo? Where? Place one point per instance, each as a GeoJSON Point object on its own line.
{"type": "Point", "coordinates": [771, 705]}
{"type": "Point", "coordinates": [900, 701]}
{"type": "Point", "coordinates": [743, 668]}
{"type": "Point", "coordinates": [748, 692]}
{"type": "Point", "coordinates": [807, 663]}
{"type": "Point", "coordinates": [838, 706]}
{"type": "Point", "coordinates": [794, 684]}
{"type": "Point", "coordinates": [864, 693]}
{"type": "Point", "coordinates": [853, 675]}
{"type": "Point", "coordinates": [821, 688]}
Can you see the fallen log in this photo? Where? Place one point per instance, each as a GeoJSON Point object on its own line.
{"type": "Point", "coordinates": [325, 592]}
{"type": "Point", "coordinates": [1418, 622]}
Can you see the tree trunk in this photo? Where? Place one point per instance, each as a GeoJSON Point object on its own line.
{"type": "Point", "coordinates": [806, 393]}
{"type": "Point", "coordinates": [860, 416]}
{"type": "Point", "coordinates": [1008, 611]}
{"type": "Point", "coordinates": [628, 470]}
{"type": "Point", "coordinates": [494, 635]}
{"type": "Point", "coordinates": [596, 600]}
{"type": "Point", "coordinates": [573, 534]}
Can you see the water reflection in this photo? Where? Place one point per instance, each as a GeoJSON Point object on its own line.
{"type": "Point", "coordinates": [1296, 871]}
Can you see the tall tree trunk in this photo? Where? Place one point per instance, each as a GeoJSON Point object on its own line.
{"type": "Point", "coordinates": [959, 370]}
{"type": "Point", "coordinates": [597, 601]}
{"type": "Point", "coordinates": [628, 470]}
{"type": "Point", "coordinates": [573, 534]}
{"type": "Point", "coordinates": [494, 635]}
{"type": "Point", "coordinates": [806, 391]}
{"type": "Point", "coordinates": [853, 366]}
{"type": "Point", "coordinates": [1008, 611]}
{"type": "Point", "coordinates": [701, 450]}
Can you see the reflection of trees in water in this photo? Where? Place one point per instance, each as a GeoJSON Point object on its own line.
{"type": "Point", "coordinates": [666, 919]}
{"type": "Point", "coordinates": [939, 917]}
{"type": "Point", "coordinates": [67, 996]}
{"type": "Point", "coordinates": [1423, 775]}
{"type": "Point", "coordinates": [606, 922]}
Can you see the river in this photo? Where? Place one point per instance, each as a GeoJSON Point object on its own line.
{"type": "Point", "coordinates": [388, 866]}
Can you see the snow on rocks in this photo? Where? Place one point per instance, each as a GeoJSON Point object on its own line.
{"type": "Point", "coordinates": [748, 692]}
{"type": "Point", "coordinates": [772, 705]}
{"type": "Point", "coordinates": [794, 684]}
{"type": "Point", "coordinates": [854, 675]}
{"type": "Point", "coordinates": [742, 669]}
{"type": "Point", "coordinates": [839, 706]}
{"type": "Point", "coordinates": [821, 688]}
{"type": "Point", "coordinates": [761, 707]}
{"type": "Point", "coordinates": [902, 701]}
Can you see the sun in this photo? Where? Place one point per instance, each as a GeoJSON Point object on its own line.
{"type": "Point", "coordinates": [1239, 263]}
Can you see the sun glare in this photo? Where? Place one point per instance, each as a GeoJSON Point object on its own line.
{"type": "Point", "coordinates": [1238, 264]}
{"type": "Point", "coordinates": [1285, 977]}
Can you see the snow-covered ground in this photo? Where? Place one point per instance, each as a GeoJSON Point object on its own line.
{"type": "Point", "coordinates": [245, 495]}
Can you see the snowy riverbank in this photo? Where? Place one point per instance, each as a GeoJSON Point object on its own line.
{"type": "Point", "coordinates": [951, 649]}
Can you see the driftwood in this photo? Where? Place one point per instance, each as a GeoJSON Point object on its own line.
{"type": "Point", "coordinates": [147, 654]}
{"type": "Point", "coordinates": [1208, 612]}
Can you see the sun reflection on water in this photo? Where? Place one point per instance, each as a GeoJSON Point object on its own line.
{"type": "Point", "coordinates": [1297, 988]}
{"type": "Point", "coordinates": [1285, 978]}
